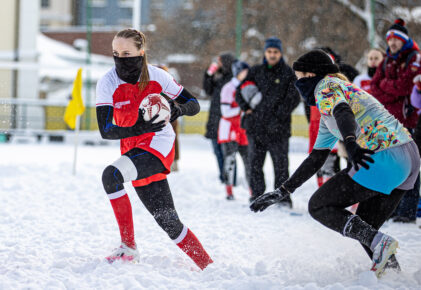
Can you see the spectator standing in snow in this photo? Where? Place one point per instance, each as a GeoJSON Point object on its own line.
{"type": "Point", "coordinates": [374, 58]}
{"type": "Point", "coordinates": [216, 76]}
{"type": "Point", "coordinates": [230, 134]}
{"type": "Point", "coordinates": [147, 148]}
{"type": "Point", "coordinates": [267, 117]}
{"type": "Point", "coordinates": [385, 160]}
{"type": "Point", "coordinates": [392, 86]}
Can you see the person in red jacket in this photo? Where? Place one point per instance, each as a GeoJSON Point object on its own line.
{"type": "Point", "coordinates": [392, 82]}
{"type": "Point", "coordinates": [392, 85]}
{"type": "Point", "coordinates": [147, 147]}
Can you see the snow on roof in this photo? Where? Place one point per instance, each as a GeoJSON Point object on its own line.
{"type": "Point", "coordinates": [58, 60]}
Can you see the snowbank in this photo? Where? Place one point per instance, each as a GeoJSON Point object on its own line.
{"type": "Point", "coordinates": [55, 230]}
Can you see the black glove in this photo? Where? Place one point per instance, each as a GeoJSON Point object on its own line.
{"type": "Point", "coordinates": [269, 198]}
{"type": "Point", "coordinates": [141, 126]}
{"type": "Point", "coordinates": [176, 111]}
{"type": "Point", "coordinates": [356, 154]}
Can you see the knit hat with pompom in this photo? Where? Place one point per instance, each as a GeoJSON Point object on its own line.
{"type": "Point", "coordinates": [398, 30]}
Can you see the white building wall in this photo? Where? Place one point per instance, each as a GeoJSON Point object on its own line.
{"type": "Point", "coordinates": [28, 80]}
{"type": "Point", "coordinates": [7, 53]}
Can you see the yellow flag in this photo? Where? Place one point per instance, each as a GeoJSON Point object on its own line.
{"type": "Point", "coordinates": [75, 106]}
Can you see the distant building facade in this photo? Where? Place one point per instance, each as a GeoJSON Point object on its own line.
{"type": "Point", "coordinates": [109, 13]}
{"type": "Point", "coordinates": [56, 13]}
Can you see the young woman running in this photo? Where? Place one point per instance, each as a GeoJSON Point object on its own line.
{"type": "Point", "coordinates": [147, 148]}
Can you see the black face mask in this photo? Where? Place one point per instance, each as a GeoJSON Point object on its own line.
{"type": "Point", "coordinates": [306, 86]}
{"type": "Point", "coordinates": [128, 68]}
{"type": "Point", "coordinates": [371, 71]}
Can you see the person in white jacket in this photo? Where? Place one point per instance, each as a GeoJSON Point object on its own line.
{"type": "Point", "coordinates": [231, 136]}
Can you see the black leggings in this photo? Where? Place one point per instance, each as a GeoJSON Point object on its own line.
{"type": "Point", "coordinates": [328, 203]}
{"type": "Point", "coordinates": [157, 199]}
{"type": "Point", "coordinates": [156, 196]}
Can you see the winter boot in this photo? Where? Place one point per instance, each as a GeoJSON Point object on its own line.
{"type": "Point", "coordinates": [190, 245]}
{"type": "Point", "coordinates": [124, 254]}
{"type": "Point", "coordinates": [384, 249]}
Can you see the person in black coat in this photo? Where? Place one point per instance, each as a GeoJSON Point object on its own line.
{"type": "Point", "coordinates": [268, 97]}
{"type": "Point", "coordinates": [216, 76]}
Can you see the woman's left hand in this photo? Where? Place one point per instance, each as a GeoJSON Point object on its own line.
{"type": "Point", "coordinates": [175, 111]}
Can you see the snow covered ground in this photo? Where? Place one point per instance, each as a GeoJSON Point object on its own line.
{"type": "Point", "coordinates": [56, 228]}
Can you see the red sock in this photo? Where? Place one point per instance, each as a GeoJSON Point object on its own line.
{"type": "Point", "coordinates": [320, 180]}
{"type": "Point", "coordinates": [229, 189]}
{"type": "Point", "coordinates": [123, 213]}
{"type": "Point", "coordinates": [193, 248]}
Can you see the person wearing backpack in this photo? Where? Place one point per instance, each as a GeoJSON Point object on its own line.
{"type": "Point", "coordinates": [392, 86]}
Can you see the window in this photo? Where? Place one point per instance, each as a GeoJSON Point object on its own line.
{"type": "Point", "coordinates": [98, 22]}
{"type": "Point", "coordinates": [125, 22]}
{"type": "Point", "coordinates": [45, 3]}
{"type": "Point", "coordinates": [99, 3]}
{"type": "Point", "coordinates": [126, 3]}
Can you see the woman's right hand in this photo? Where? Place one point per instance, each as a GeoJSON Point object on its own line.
{"type": "Point", "coordinates": [142, 127]}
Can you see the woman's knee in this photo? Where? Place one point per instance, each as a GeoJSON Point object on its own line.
{"type": "Point", "coordinates": [314, 207]}
{"type": "Point", "coordinates": [112, 179]}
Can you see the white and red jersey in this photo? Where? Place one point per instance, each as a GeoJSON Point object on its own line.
{"type": "Point", "coordinates": [229, 129]}
{"type": "Point", "coordinates": [364, 82]}
{"type": "Point", "coordinates": [125, 99]}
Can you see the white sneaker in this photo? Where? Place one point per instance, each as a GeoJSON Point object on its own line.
{"type": "Point", "coordinates": [382, 252]}
{"type": "Point", "coordinates": [124, 254]}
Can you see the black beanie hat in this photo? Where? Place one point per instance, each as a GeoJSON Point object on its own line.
{"type": "Point", "coordinates": [315, 61]}
{"type": "Point", "coordinates": [238, 66]}
{"type": "Point", "coordinates": [273, 42]}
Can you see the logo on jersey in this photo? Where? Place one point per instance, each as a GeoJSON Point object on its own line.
{"type": "Point", "coordinates": [121, 104]}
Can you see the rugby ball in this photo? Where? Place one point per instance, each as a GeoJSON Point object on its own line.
{"type": "Point", "coordinates": [155, 104]}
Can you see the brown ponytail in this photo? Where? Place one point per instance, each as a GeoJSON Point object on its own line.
{"type": "Point", "coordinates": [339, 76]}
{"type": "Point", "coordinates": [139, 40]}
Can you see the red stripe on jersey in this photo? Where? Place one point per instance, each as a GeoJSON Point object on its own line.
{"type": "Point", "coordinates": [176, 95]}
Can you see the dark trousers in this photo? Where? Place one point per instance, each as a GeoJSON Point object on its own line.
{"type": "Point", "coordinates": [157, 199]}
{"type": "Point", "coordinates": [328, 204]}
{"type": "Point", "coordinates": [217, 150]}
{"type": "Point", "coordinates": [230, 150]}
{"type": "Point", "coordinates": [278, 150]}
{"type": "Point", "coordinates": [409, 204]}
